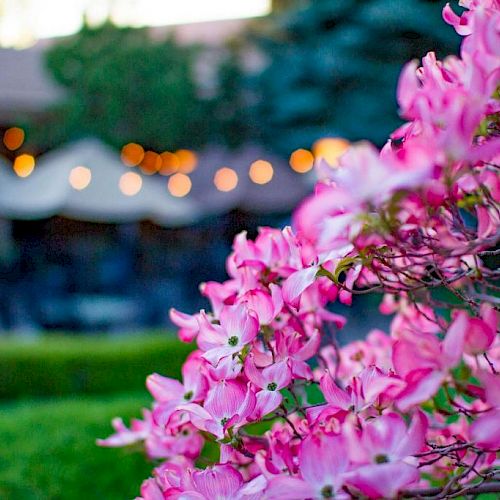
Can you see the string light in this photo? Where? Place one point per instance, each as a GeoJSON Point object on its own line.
{"type": "Point", "coordinates": [169, 163]}
{"type": "Point", "coordinates": [13, 138]}
{"type": "Point", "coordinates": [188, 160]}
{"type": "Point", "coordinates": [151, 163]}
{"type": "Point", "coordinates": [179, 185]}
{"type": "Point", "coordinates": [132, 154]}
{"type": "Point", "coordinates": [301, 161]}
{"type": "Point", "coordinates": [23, 165]}
{"type": "Point", "coordinates": [330, 149]}
{"type": "Point", "coordinates": [80, 177]}
{"type": "Point", "coordinates": [225, 179]}
{"type": "Point", "coordinates": [130, 183]}
{"type": "Point", "coordinates": [261, 172]}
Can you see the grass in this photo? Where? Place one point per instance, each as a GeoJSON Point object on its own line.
{"type": "Point", "coordinates": [48, 449]}
{"type": "Point", "coordinates": [58, 365]}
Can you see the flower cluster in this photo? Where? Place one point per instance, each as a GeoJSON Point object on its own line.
{"type": "Point", "coordinates": [415, 411]}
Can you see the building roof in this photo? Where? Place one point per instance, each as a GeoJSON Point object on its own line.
{"type": "Point", "coordinates": [25, 85]}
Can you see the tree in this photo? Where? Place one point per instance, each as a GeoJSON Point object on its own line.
{"type": "Point", "coordinates": [333, 67]}
{"type": "Point", "coordinates": [122, 86]}
{"type": "Point", "coordinates": [413, 414]}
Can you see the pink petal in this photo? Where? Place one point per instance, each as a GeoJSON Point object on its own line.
{"type": "Point", "coordinates": [260, 302]}
{"type": "Point", "coordinates": [288, 488]}
{"type": "Point", "coordinates": [323, 459]}
{"type": "Point", "coordinates": [382, 435]}
{"type": "Point", "coordinates": [164, 389]}
{"type": "Point", "coordinates": [485, 431]}
{"type": "Point", "coordinates": [224, 399]}
{"type": "Point", "coordinates": [267, 402]}
{"type": "Point", "coordinates": [421, 385]}
{"type": "Point", "coordinates": [298, 282]}
{"type": "Point", "coordinates": [414, 441]}
{"type": "Point", "coordinates": [336, 396]}
{"type": "Point", "coordinates": [453, 343]}
{"type": "Point", "coordinates": [408, 86]}
{"type": "Point", "coordinates": [150, 490]}
{"type": "Point", "coordinates": [238, 321]}
{"type": "Point", "coordinates": [279, 373]}
{"type": "Point", "coordinates": [382, 480]}
{"type": "Point", "coordinates": [310, 348]}
{"type": "Point", "coordinates": [214, 356]}
{"type": "Point", "coordinates": [218, 482]}
{"type": "Point", "coordinates": [253, 373]}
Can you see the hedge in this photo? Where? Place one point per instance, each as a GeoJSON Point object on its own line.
{"type": "Point", "coordinates": [48, 449]}
{"type": "Point", "coordinates": [56, 366]}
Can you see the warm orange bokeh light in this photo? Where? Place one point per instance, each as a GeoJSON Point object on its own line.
{"type": "Point", "coordinates": [330, 149]}
{"type": "Point", "coordinates": [132, 154]}
{"type": "Point", "coordinates": [130, 183]}
{"type": "Point", "coordinates": [24, 165]}
{"type": "Point", "coordinates": [301, 161]}
{"type": "Point", "coordinates": [179, 185]}
{"type": "Point", "coordinates": [80, 178]}
{"type": "Point", "coordinates": [188, 160]}
{"type": "Point", "coordinates": [169, 163]}
{"type": "Point", "coordinates": [225, 179]}
{"type": "Point", "coordinates": [151, 163]}
{"type": "Point", "coordinates": [261, 172]}
{"type": "Point", "coordinates": [13, 138]}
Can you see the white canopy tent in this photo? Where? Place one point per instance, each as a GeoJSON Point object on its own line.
{"type": "Point", "coordinates": [280, 194]}
{"type": "Point", "coordinates": [47, 191]}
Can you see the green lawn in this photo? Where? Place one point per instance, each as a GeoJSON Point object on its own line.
{"type": "Point", "coordinates": [61, 365]}
{"type": "Point", "coordinates": [48, 449]}
{"type": "Point", "coordinates": [58, 395]}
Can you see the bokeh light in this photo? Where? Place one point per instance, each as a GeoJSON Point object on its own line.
{"type": "Point", "coordinates": [261, 172]}
{"type": "Point", "coordinates": [169, 163]}
{"type": "Point", "coordinates": [151, 163]}
{"type": "Point", "coordinates": [330, 149]}
{"type": "Point", "coordinates": [80, 177]}
{"type": "Point", "coordinates": [132, 154]}
{"type": "Point", "coordinates": [13, 138]}
{"type": "Point", "coordinates": [188, 160]}
{"type": "Point", "coordinates": [179, 185]}
{"type": "Point", "coordinates": [24, 165]}
{"type": "Point", "coordinates": [130, 183]}
{"type": "Point", "coordinates": [225, 179]}
{"type": "Point", "coordinates": [301, 161]}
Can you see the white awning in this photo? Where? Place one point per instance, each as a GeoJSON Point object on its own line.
{"type": "Point", "coordinates": [47, 191]}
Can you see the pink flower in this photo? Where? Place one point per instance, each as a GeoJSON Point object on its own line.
{"type": "Point", "coordinates": [386, 445]}
{"type": "Point", "coordinates": [187, 323]}
{"type": "Point", "coordinates": [139, 430]}
{"type": "Point", "coordinates": [295, 350]}
{"type": "Point", "coordinates": [270, 380]}
{"type": "Point", "coordinates": [364, 391]}
{"type": "Point", "coordinates": [223, 482]}
{"type": "Point", "coordinates": [266, 305]}
{"type": "Point", "coordinates": [323, 461]}
{"type": "Point", "coordinates": [238, 327]}
{"type": "Point", "coordinates": [169, 393]}
{"type": "Point", "coordinates": [228, 404]}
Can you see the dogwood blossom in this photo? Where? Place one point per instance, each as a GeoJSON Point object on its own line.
{"type": "Point", "coordinates": [408, 413]}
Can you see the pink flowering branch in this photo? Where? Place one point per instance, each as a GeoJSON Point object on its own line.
{"type": "Point", "coordinates": [394, 414]}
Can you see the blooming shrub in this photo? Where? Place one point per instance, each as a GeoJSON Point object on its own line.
{"type": "Point", "coordinates": [415, 412]}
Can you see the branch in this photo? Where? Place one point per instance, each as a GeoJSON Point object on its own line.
{"type": "Point", "coordinates": [493, 487]}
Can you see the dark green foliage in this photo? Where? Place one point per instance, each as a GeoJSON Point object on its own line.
{"type": "Point", "coordinates": [48, 450]}
{"type": "Point", "coordinates": [60, 365]}
{"type": "Point", "coordinates": [122, 87]}
{"type": "Point", "coordinates": [334, 66]}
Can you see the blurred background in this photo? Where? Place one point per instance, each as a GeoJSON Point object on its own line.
{"type": "Point", "coordinates": [140, 136]}
{"type": "Point", "coordinates": [137, 138]}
